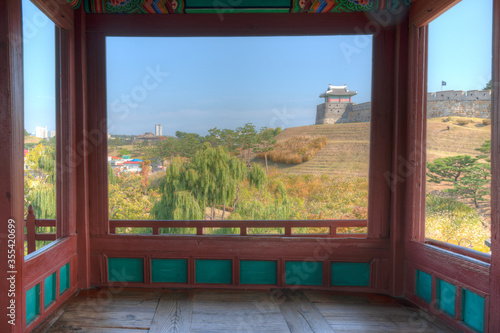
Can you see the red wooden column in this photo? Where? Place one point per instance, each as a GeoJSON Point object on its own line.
{"type": "Point", "coordinates": [494, 319]}
{"type": "Point", "coordinates": [400, 166]}
{"type": "Point", "coordinates": [81, 152]}
{"type": "Point", "coordinates": [11, 164]}
{"type": "Point", "coordinates": [381, 127]}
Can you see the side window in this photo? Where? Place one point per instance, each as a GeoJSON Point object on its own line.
{"type": "Point", "coordinates": [39, 51]}
{"type": "Point", "coordinates": [458, 203]}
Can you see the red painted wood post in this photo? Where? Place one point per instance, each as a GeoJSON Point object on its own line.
{"type": "Point", "coordinates": [494, 319]}
{"type": "Point", "coordinates": [12, 308]}
{"type": "Point", "coordinates": [333, 231]}
{"type": "Point", "coordinates": [31, 229]}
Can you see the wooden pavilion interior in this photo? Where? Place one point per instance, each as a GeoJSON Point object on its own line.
{"type": "Point", "coordinates": [388, 280]}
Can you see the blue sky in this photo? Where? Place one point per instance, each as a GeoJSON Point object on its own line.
{"type": "Point", "coordinates": [39, 68]}
{"type": "Point", "coordinates": [460, 44]}
{"type": "Point", "coordinates": [194, 84]}
{"type": "Point", "coordinates": [226, 82]}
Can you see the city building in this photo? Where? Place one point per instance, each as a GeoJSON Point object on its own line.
{"type": "Point", "coordinates": [41, 132]}
{"type": "Point", "coordinates": [158, 129]}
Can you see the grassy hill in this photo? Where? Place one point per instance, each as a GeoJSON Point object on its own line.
{"type": "Point", "coordinates": [347, 148]}
{"type": "Point", "coordinates": [346, 151]}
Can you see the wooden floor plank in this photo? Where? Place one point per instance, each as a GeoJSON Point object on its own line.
{"type": "Point", "coordinates": [301, 315]}
{"type": "Point", "coordinates": [248, 311]}
{"type": "Point", "coordinates": [174, 313]}
{"type": "Point", "coordinates": [229, 311]}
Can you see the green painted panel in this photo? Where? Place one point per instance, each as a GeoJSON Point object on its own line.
{"type": "Point", "coordinates": [258, 272]}
{"type": "Point", "coordinates": [32, 303]}
{"type": "Point", "coordinates": [235, 10]}
{"type": "Point", "coordinates": [169, 270]}
{"type": "Point", "coordinates": [126, 269]}
{"type": "Point", "coordinates": [446, 296]}
{"type": "Point", "coordinates": [423, 287]}
{"type": "Point", "coordinates": [64, 279]}
{"type": "Point", "coordinates": [213, 271]}
{"type": "Point", "coordinates": [240, 4]}
{"type": "Point", "coordinates": [473, 310]}
{"type": "Point", "coordinates": [49, 289]}
{"type": "Point", "coordinates": [350, 274]}
{"type": "Point", "coordinates": [306, 273]}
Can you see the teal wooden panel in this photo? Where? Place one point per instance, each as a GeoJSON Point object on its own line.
{"type": "Point", "coordinates": [355, 274]}
{"type": "Point", "coordinates": [49, 289]}
{"type": "Point", "coordinates": [305, 273]}
{"type": "Point", "coordinates": [473, 310]}
{"type": "Point", "coordinates": [169, 270]}
{"type": "Point", "coordinates": [446, 296]}
{"type": "Point", "coordinates": [126, 269]}
{"type": "Point", "coordinates": [258, 272]}
{"type": "Point", "coordinates": [213, 271]}
{"type": "Point", "coordinates": [64, 281]}
{"type": "Point", "coordinates": [423, 286]}
{"type": "Point", "coordinates": [32, 303]}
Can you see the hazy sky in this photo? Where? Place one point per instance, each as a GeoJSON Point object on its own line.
{"type": "Point", "coordinates": [194, 84]}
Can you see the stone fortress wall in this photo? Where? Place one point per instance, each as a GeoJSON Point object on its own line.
{"type": "Point", "coordinates": [452, 103]}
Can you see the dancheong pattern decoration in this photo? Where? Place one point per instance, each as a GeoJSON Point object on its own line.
{"type": "Point", "coordinates": [74, 3]}
{"type": "Point", "coordinates": [235, 6]}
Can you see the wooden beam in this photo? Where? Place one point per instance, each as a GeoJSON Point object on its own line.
{"type": "Point", "coordinates": [58, 11]}
{"type": "Point", "coordinates": [11, 164]}
{"type": "Point", "coordinates": [226, 24]}
{"type": "Point", "coordinates": [416, 129]}
{"type": "Point", "coordinates": [381, 127]}
{"type": "Point", "coordinates": [494, 319]}
{"type": "Point", "coordinates": [422, 12]}
{"type": "Point", "coordinates": [81, 153]}
{"type": "Point", "coordinates": [400, 166]}
{"type": "Point", "coordinates": [97, 135]}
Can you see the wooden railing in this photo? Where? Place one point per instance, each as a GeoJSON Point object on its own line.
{"type": "Point", "coordinates": [243, 226]}
{"type": "Point", "coordinates": [31, 236]}
{"type": "Point", "coordinates": [486, 257]}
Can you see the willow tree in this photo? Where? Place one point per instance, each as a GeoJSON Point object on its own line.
{"type": "Point", "coordinates": [210, 179]}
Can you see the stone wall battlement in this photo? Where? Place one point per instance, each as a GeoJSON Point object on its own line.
{"type": "Point", "coordinates": [459, 95]}
{"type": "Point", "coordinates": [451, 103]}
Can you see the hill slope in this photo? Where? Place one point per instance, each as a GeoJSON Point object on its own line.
{"type": "Point", "coordinates": [347, 149]}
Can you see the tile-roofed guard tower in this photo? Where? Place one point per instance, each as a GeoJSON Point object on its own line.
{"type": "Point", "coordinates": [337, 101]}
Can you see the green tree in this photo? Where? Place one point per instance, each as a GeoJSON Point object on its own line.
{"type": "Point", "coordinates": [485, 151]}
{"type": "Point", "coordinates": [209, 179]}
{"type": "Point", "coordinates": [266, 139]}
{"type": "Point", "coordinates": [247, 136]}
{"type": "Point", "coordinates": [489, 85]}
{"type": "Point", "coordinates": [145, 175]}
{"type": "Point", "coordinates": [449, 169]}
{"type": "Point", "coordinates": [123, 151]}
{"type": "Point", "coordinates": [473, 184]}
{"type": "Point", "coordinates": [468, 177]}
{"type": "Point", "coordinates": [189, 143]}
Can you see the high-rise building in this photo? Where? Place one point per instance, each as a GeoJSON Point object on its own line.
{"type": "Point", "coordinates": [41, 132]}
{"type": "Point", "coordinates": [158, 130]}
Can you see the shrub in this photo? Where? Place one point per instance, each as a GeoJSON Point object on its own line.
{"type": "Point", "coordinates": [297, 149]}
{"type": "Point", "coordinates": [463, 122]}
{"type": "Point", "coordinates": [486, 122]}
